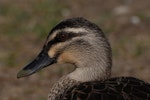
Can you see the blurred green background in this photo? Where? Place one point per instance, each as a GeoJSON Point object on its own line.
{"type": "Point", "coordinates": [24, 25]}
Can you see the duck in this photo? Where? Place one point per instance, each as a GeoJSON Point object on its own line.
{"type": "Point", "coordinates": [83, 45]}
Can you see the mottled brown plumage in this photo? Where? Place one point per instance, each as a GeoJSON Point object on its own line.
{"type": "Point", "coordinates": [121, 88]}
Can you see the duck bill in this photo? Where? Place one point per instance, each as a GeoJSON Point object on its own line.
{"type": "Point", "coordinates": [41, 61]}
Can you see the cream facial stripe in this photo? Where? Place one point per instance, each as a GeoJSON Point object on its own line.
{"type": "Point", "coordinates": [73, 30]}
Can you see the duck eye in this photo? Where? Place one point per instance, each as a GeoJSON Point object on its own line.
{"type": "Point", "coordinates": [62, 37]}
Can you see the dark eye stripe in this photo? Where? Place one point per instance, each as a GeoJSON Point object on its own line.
{"type": "Point", "coordinates": [56, 40]}
{"type": "Point", "coordinates": [64, 36]}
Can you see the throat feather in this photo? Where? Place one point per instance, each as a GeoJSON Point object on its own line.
{"type": "Point", "coordinates": [87, 74]}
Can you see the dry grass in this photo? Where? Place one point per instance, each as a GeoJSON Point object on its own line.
{"type": "Point", "coordinates": [25, 24]}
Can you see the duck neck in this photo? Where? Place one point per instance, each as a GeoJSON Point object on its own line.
{"type": "Point", "coordinates": [87, 74]}
{"type": "Point", "coordinates": [60, 87]}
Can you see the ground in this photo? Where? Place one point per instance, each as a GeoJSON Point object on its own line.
{"type": "Point", "coordinates": [25, 25]}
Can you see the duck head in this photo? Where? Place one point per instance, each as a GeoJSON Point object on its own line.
{"type": "Point", "coordinates": [79, 42]}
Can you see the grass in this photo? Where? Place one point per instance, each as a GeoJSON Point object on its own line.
{"type": "Point", "coordinates": [38, 18]}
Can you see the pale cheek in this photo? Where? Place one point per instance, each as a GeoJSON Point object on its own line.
{"type": "Point", "coordinates": [67, 57]}
{"type": "Point", "coordinates": [52, 52]}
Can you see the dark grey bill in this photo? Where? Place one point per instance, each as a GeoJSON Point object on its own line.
{"type": "Point", "coordinates": [42, 60]}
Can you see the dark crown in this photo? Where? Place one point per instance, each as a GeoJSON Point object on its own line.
{"type": "Point", "coordinates": [77, 22]}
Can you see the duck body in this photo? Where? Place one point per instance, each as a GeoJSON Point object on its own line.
{"type": "Point", "coordinates": [83, 45]}
{"type": "Point", "coordinates": [119, 88]}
